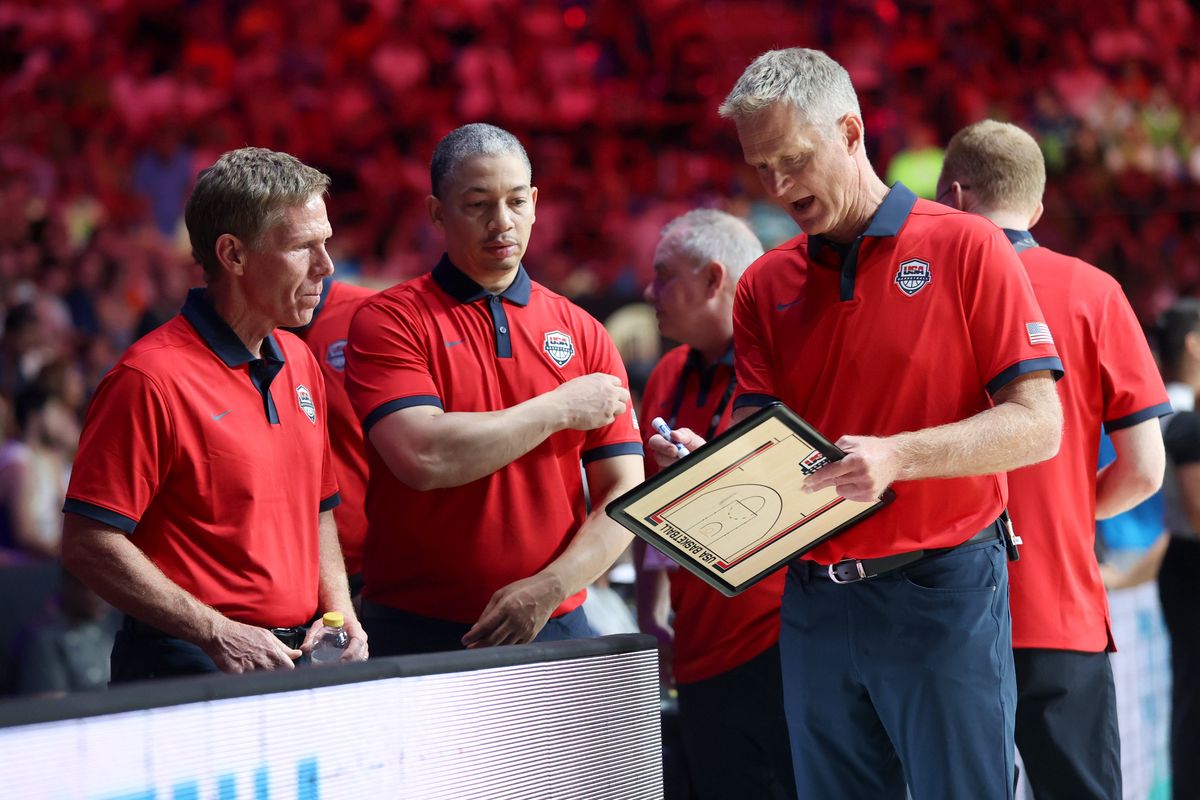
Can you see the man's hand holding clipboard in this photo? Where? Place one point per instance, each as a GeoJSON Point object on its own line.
{"type": "Point", "coordinates": [864, 473]}
{"type": "Point", "coordinates": [770, 488]}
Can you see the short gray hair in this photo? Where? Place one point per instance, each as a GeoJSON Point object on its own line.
{"type": "Point", "coordinates": [244, 193]}
{"type": "Point", "coordinates": [468, 141]}
{"type": "Point", "coordinates": [705, 234]}
{"type": "Point", "coordinates": [813, 84]}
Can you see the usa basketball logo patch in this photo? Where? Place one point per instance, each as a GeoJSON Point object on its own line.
{"type": "Point", "coordinates": [913, 276]}
{"type": "Point", "coordinates": [813, 462]}
{"type": "Point", "coordinates": [559, 346]}
{"type": "Point", "coordinates": [304, 398]}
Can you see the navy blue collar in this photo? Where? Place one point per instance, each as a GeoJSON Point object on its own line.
{"type": "Point", "coordinates": [889, 218]}
{"type": "Point", "coordinates": [455, 283]}
{"type": "Point", "coordinates": [216, 333]}
{"type": "Point", "coordinates": [696, 359]}
{"type": "Point", "coordinates": [325, 285]}
{"type": "Point", "coordinates": [1021, 240]}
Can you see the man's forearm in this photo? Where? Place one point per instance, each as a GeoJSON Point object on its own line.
{"type": "Point", "coordinates": [113, 567]}
{"type": "Point", "coordinates": [333, 592]}
{"type": "Point", "coordinates": [599, 540]}
{"type": "Point", "coordinates": [428, 449]}
{"type": "Point", "coordinates": [459, 447]}
{"type": "Point", "coordinates": [1137, 471]}
{"type": "Point", "coordinates": [1025, 427]}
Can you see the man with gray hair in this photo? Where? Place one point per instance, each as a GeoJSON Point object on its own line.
{"type": "Point", "coordinates": [910, 335]}
{"type": "Point", "coordinates": [201, 498]}
{"type": "Point", "coordinates": [480, 391]}
{"type": "Point", "coordinates": [722, 651]}
{"type": "Point", "coordinates": [1066, 724]}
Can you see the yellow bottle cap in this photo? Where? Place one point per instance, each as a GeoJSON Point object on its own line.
{"type": "Point", "coordinates": [334, 619]}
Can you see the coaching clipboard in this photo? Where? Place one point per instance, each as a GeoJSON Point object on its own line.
{"type": "Point", "coordinates": [732, 513]}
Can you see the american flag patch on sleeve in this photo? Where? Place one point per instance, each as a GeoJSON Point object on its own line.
{"type": "Point", "coordinates": [1039, 333]}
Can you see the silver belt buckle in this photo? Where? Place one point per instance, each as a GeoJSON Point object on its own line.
{"type": "Point", "coordinates": [862, 574]}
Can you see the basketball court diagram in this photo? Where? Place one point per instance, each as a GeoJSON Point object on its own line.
{"type": "Point", "coordinates": [729, 520]}
{"type": "Point", "coordinates": [733, 516]}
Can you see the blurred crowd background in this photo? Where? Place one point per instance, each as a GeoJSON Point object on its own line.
{"type": "Point", "coordinates": [112, 106]}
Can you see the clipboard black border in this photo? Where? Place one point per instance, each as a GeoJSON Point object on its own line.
{"type": "Point", "coordinates": [617, 509]}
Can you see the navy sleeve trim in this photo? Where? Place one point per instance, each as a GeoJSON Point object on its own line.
{"type": "Point", "coordinates": [610, 450]}
{"type": "Point", "coordinates": [100, 514]}
{"type": "Point", "coordinates": [1153, 412]}
{"type": "Point", "coordinates": [333, 501]}
{"type": "Point", "coordinates": [1024, 368]}
{"type": "Point", "coordinates": [753, 401]}
{"type": "Point", "coordinates": [396, 405]}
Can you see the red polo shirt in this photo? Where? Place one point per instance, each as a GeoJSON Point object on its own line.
{"type": "Point", "coordinates": [215, 463]}
{"type": "Point", "coordinates": [326, 338]}
{"type": "Point", "coordinates": [1058, 600]}
{"type": "Point", "coordinates": [441, 340]}
{"type": "Point", "coordinates": [713, 633]}
{"type": "Point", "coordinates": [915, 324]}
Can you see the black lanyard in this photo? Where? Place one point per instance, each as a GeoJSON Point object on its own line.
{"type": "Point", "coordinates": [681, 389]}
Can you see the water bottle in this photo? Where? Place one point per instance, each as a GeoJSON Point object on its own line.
{"type": "Point", "coordinates": [332, 641]}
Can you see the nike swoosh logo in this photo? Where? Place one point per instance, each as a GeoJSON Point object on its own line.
{"type": "Point", "coordinates": [451, 344]}
{"type": "Point", "coordinates": [217, 417]}
{"type": "Point", "coordinates": [782, 306]}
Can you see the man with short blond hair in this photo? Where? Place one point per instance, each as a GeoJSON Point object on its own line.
{"type": "Point", "coordinates": [1066, 725]}
{"type": "Point", "coordinates": [1000, 163]}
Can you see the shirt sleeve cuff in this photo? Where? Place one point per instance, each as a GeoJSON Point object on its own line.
{"type": "Point", "coordinates": [750, 400]}
{"type": "Point", "coordinates": [610, 450]}
{"type": "Point", "coordinates": [397, 404]}
{"type": "Point", "coordinates": [1053, 364]}
{"type": "Point", "coordinates": [1128, 421]}
{"type": "Point", "coordinates": [100, 514]}
{"type": "Point", "coordinates": [333, 501]}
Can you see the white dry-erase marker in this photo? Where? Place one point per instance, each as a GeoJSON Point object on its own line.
{"type": "Point", "coordinates": [665, 432]}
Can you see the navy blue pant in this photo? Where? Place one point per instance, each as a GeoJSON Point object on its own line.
{"type": "Point", "coordinates": [393, 632]}
{"type": "Point", "coordinates": [138, 656]}
{"type": "Point", "coordinates": [735, 735]}
{"type": "Point", "coordinates": [905, 678]}
{"type": "Point", "coordinates": [1067, 724]}
{"type": "Point", "coordinates": [1179, 591]}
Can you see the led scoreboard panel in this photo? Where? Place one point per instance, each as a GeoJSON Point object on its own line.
{"type": "Point", "coordinates": [560, 720]}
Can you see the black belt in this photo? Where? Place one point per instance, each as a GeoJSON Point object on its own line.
{"type": "Point", "coordinates": [291, 637]}
{"type": "Point", "coordinates": [853, 570]}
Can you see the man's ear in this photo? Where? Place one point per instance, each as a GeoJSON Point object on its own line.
{"type": "Point", "coordinates": [1191, 343]}
{"type": "Point", "coordinates": [957, 199]}
{"type": "Point", "coordinates": [434, 207]}
{"type": "Point", "coordinates": [231, 254]}
{"type": "Point", "coordinates": [852, 132]}
{"type": "Point", "coordinates": [1037, 215]}
{"type": "Point", "coordinates": [716, 278]}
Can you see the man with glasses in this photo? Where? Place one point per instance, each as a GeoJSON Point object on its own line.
{"type": "Point", "coordinates": [1066, 701]}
